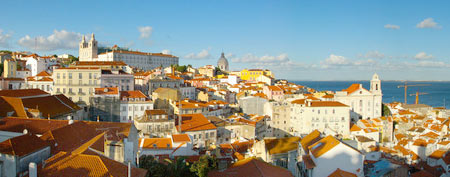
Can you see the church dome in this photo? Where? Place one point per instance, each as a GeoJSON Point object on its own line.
{"type": "Point", "coordinates": [222, 63]}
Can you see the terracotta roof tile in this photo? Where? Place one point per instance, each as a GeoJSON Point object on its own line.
{"type": "Point", "coordinates": [43, 73]}
{"type": "Point", "coordinates": [156, 143]}
{"type": "Point", "coordinates": [327, 104]}
{"type": "Point", "coordinates": [107, 91]}
{"type": "Point", "coordinates": [23, 93]}
{"type": "Point", "coordinates": [310, 139]}
{"type": "Point", "coordinates": [181, 138]}
{"type": "Point", "coordinates": [34, 126]}
{"type": "Point", "coordinates": [322, 146]}
{"type": "Point", "coordinates": [341, 173]}
{"type": "Point", "coordinates": [252, 167]}
{"type": "Point", "coordinates": [282, 145]}
{"type": "Point", "coordinates": [22, 145]}
{"type": "Point", "coordinates": [194, 122]}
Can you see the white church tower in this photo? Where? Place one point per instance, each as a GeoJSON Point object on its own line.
{"type": "Point", "coordinates": [375, 88]}
{"type": "Point", "coordinates": [88, 50]}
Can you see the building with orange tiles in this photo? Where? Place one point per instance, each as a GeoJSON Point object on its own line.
{"type": "Point", "coordinates": [329, 117]}
{"type": "Point", "coordinates": [133, 104]}
{"type": "Point", "coordinates": [364, 103]}
{"type": "Point", "coordinates": [202, 132]}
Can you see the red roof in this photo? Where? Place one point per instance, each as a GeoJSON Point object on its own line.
{"type": "Point", "coordinates": [107, 91]}
{"type": "Point", "coordinates": [181, 138]}
{"type": "Point", "coordinates": [23, 92]}
{"type": "Point", "coordinates": [43, 73]}
{"type": "Point", "coordinates": [132, 94]}
{"type": "Point", "coordinates": [22, 145]}
{"type": "Point", "coordinates": [252, 167]}
{"type": "Point", "coordinates": [194, 122]}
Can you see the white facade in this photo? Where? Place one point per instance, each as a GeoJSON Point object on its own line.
{"type": "Point", "coordinates": [141, 60]}
{"type": "Point", "coordinates": [43, 85]}
{"type": "Point", "coordinates": [23, 73]}
{"type": "Point", "coordinates": [328, 117]}
{"type": "Point", "coordinates": [188, 92]}
{"type": "Point", "coordinates": [88, 50]}
{"type": "Point", "coordinates": [199, 138]}
{"type": "Point", "coordinates": [131, 109]}
{"type": "Point", "coordinates": [37, 65]}
{"type": "Point", "coordinates": [348, 159]}
{"type": "Point", "coordinates": [365, 103]}
{"type": "Point", "coordinates": [125, 82]}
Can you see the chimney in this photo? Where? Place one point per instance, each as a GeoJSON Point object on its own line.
{"type": "Point", "coordinates": [129, 169]}
{"type": "Point", "coordinates": [32, 169]}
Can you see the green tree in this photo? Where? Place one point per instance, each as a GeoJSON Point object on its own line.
{"type": "Point", "coordinates": [19, 67]}
{"type": "Point", "coordinates": [385, 111]}
{"type": "Point", "coordinates": [182, 68]}
{"type": "Point", "coordinates": [178, 168]}
{"type": "Point", "coordinates": [205, 164]}
{"type": "Point", "coordinates": [5, 51]}
{"type": "Point", "coordinates": [1, 68]}
{"type": "Point", "coordinates": [154, 168]}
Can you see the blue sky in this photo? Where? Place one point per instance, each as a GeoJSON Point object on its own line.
{"type": "Point", "coordinates": [299, 40]}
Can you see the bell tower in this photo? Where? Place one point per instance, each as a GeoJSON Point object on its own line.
{"type": "Point", "coordinates": [375, 84]}
{"type": "Point", "coordinates": [88, 50]}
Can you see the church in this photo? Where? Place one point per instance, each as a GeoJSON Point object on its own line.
{"type": "Point", "coordinates": [222, 64]}
{"type": "Point", "coordinates": [365, 104]}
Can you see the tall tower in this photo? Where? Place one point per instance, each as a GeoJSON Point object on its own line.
{"type": "Point", "coordinates": [375, 85]}
{"type": "Point", "coordinates": [223, 63]}
{"type": "Point", "coordinates": [375, 88]}
{"type": "Point", "coordinates": [88, 50]}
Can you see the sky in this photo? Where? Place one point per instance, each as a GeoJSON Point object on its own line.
{"type": "Point", "coordinates": [298, 40]}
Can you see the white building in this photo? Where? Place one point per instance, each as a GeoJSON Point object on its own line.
{"type": "Point", "coordinates": [324, 156]}
{"type": "Point", "coordinates": [365, 103]}
{"type": "Point", "coordinates": [176, 145]}
{"type": "Point", "coordinates": [120, 79]}
{"type": "Point", "coordinates": [329, 117]}
{"type": "Point", "coordinates": [141, 60]}
{"type": "Point", "coordinates": [88, 50]}
{"type": "Point", "coordinates": [188, 92]}
{"type": "Point", "coordinates": [202, 132]}
{"type": "Point", "coordinates": [42, 80]}
{"type": "Point", "coordinates": [37, 64]}
{"type": "Point", "coordinates": [133, 104]}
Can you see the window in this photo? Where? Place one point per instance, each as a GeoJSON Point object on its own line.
{"type": "Point", "coordinates": [124, 108]}
{"type": "Point", "coordinates": [70, 75]}
{"type": "Point", "coordinates": [70, 90]}
{"type": "Point", "coordinates": [90, 75]}
{"type": "Point", "coordinates": [129, 117]}
{"type": "Point", "coordinates": [130, 108]}
{"type": "Point", "coordinates": [80, 75]}
{"type": "Point", "coordinates": [57, 90]}
{"type": "Point", "coordinates": [57, 75]}
{"type": "Point", "coordinates": [80, 90]}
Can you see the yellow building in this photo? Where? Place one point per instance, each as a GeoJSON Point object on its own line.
{"type": "Point", "coordinates": [252, 74]}
{"type": "Point", "coordinates": [77, 83]}
{"type": "Point", "coordinates": [9, 68]}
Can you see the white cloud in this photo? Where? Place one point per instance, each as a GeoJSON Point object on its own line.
{"type": "Point", "coordinates": [229, 55]}
{"type": "Point", "coordinates": [204, 54]}
{"type": "Point", "coordinates": [250, 58]}
{"type": "Point", "coordinates": [336, 60]}
{"type": "Point", "coordinates": [423, 56]}
{"type": "Point", "coordinates": [390, 26]}
{"type": "Point", "coordinates": [373, 55]}
{"type": "Point", "coordinates": [428, 23]}
{"type": "Point", "coordinates": [4, 39]}
{"type": "Point", "coordinates": [58, 40]}
{"type": "Point", "coordinates": [165, 51]}
{"type": "Point", "coordinates": [146, 31]}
